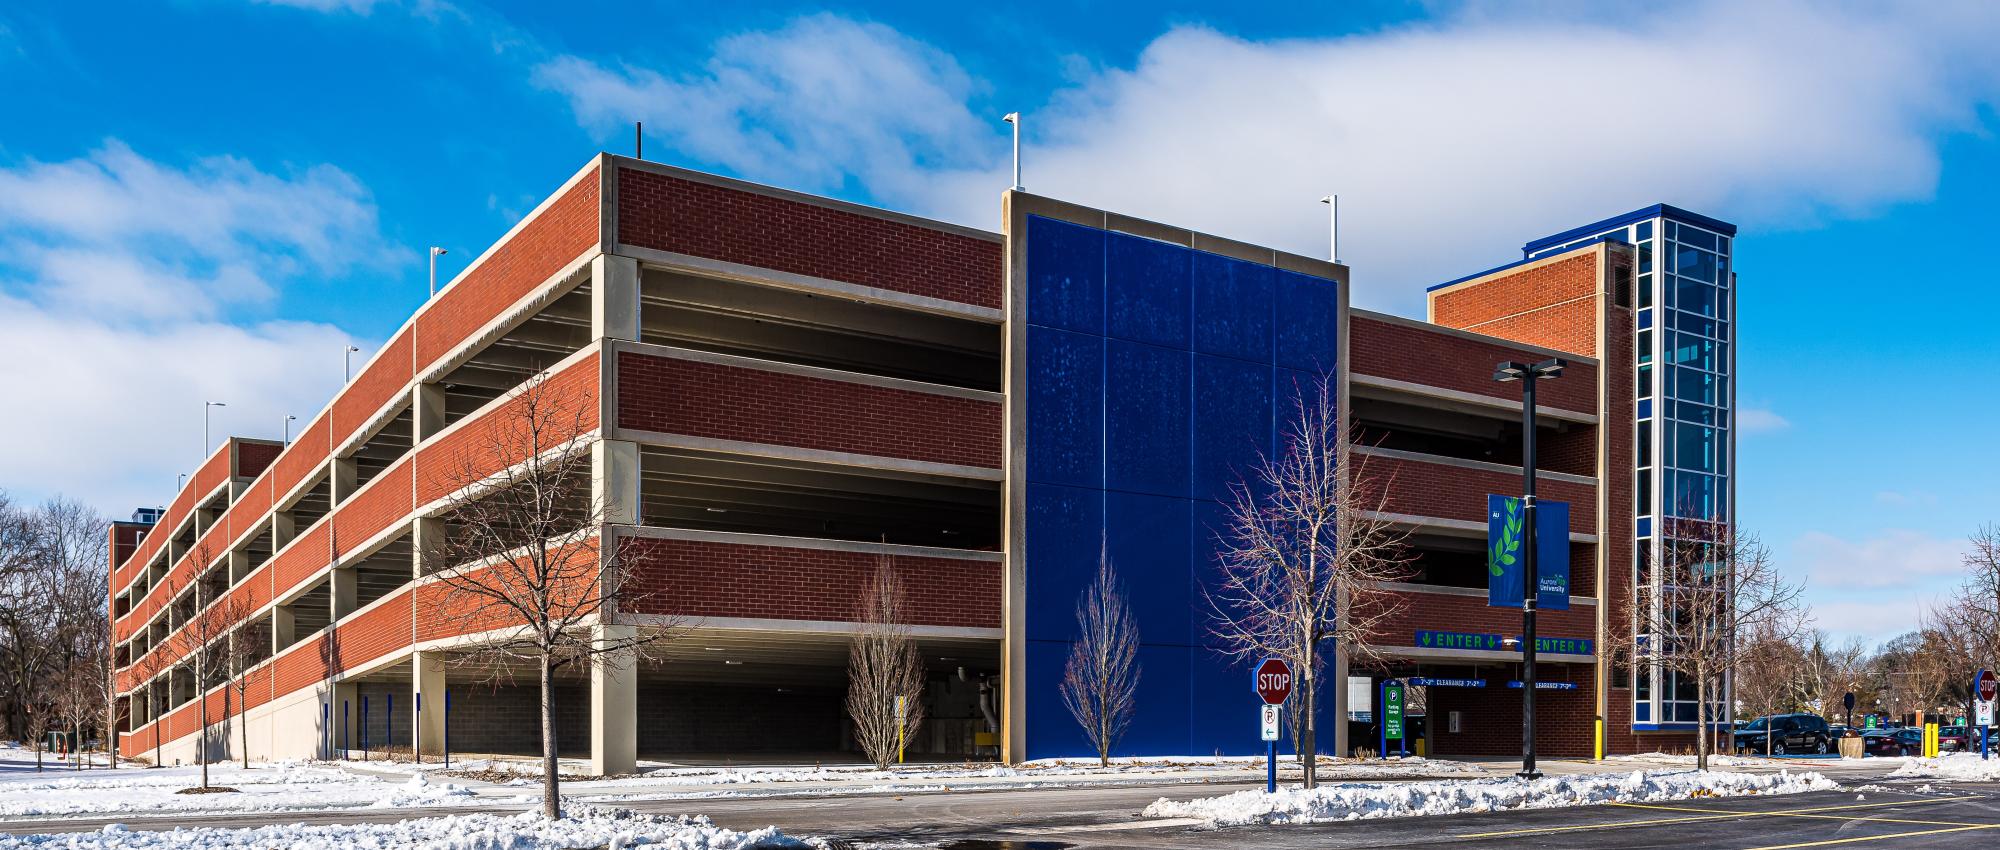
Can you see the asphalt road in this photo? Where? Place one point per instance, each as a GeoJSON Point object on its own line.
{"type": "Point", "coordinates": [1900, 818]}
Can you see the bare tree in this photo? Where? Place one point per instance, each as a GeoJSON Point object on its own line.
{"type": "Point", "coordinates": [248, 646]}
{"type": "Point", "coordinates": [1713, 584]}
{"type": "Point", "coordinates": [207, 617]}
{"type": "Point", "coordinates": [1305, 556]}
{"type": "Point", "coordinates": [78, 692]}
{"type": "Point", "coordinates": [1102, 675]}
{"type": "Point", "coordinates": [885, 673]}
{"type": "Point", "coordinates": [522, 560]}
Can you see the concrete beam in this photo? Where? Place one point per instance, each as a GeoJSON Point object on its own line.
{"type": "Point", "coordinates": [614, 706]}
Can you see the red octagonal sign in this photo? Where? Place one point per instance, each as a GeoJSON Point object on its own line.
{"type": "Point", "coordinates": [1274, 681]}
{"type": "Point", "coordinates": [1987, 685]}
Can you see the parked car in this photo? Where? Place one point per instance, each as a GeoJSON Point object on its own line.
{"type": "Point", "coordinates": [1788, 734]}
{"type": "Point", "coordinates": [1951, 739]}
{"type": "Point", "coordinates": [1893, 742]}
{"type": "Point", "coordinates": [1842, 731]}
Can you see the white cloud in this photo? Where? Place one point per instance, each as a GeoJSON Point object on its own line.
{"type": "Point", "coordinates": [1760, 420]}
{"type": "Point", "coordinates": [130, 292]}
{"type": "Point", "coordinates": [1890, 558]}
{"type": "Point", "coordinates": [359, 7]}
{"type": "Point", "coordinates": [1450, 143]}
{"type": "Point", "coordinates": [810, 105]}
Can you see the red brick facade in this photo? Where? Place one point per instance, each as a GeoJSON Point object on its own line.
{"type": "Point", "coordinates": [706, 579]}
{"type": "Point", "coordinates": [1425, 356]}
{"type": "Point", "coordinates": [705, 220]}
{"type": "Point", "coordinates": [698, 399]}
{"type": "Point", "coordinates": [1547, 303]}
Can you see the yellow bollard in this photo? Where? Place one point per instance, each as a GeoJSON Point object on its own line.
{"type": "Point", "coordinates": [1600, 739]}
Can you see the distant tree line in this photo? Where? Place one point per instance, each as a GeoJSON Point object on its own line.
{"type": "Point", "coordinates": [55, 635]}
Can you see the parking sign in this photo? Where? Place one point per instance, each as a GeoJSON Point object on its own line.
{"type": "Point", "coordinates": [1270, 722]}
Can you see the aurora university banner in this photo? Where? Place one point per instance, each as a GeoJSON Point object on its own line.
{"type": "Point", "coordinates": [1504, 565]}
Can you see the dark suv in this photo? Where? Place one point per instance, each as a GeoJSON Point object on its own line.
{"type": "Point", "coordinates": [1788, 734]}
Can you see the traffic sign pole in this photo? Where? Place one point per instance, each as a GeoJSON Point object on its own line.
{"type": "Point", "coordinates": [1273, 683]}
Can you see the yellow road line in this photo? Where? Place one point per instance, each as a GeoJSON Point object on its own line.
{"type": "Point", "coordinates": [1832, 841]}
{"type": "Point", "coordinates": [1710, 815]}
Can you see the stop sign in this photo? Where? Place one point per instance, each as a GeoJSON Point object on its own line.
{"type": "Point", "coordinates": [1987, 685]}
{"type": "Point", "coordinates": [1274, 681]}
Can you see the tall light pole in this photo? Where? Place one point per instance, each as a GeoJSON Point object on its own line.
{"type": "Point", "coordinates": [207, 406]}
{"type": "Point", "coordinates": [347, 362]}
{"type": "Point", "coordinates": [1531, 580]}
{"type": "Point", "coordinates": [1334, 249]}
{"type": "Point", "coordinates": [1014, 118]}
{"type": "Point", "coordinates": [435, 253]}
{"type": "Point", "coordinates": [288, 429]}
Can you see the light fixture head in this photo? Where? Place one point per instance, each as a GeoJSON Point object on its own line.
{"type": "Point", "coordinates": [1011, 118]}
{"type": "Point", "coordinates": [436, 251]}
{"type": "Point", "coordinates": [1509, 370]}
{"type": "Point", "coordinates": [1326, 200]}
{"type": "Point", "coordinates": [1550, 368]}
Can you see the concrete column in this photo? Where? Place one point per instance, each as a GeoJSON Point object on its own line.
{"type": "Point", "coordinates": [343, 591]}
{"type": "Point", "coordinates": [427, 402]}
{"type": "Point", "coordinates": [614, 706]}
{"type": "Point", "coordinates": [425, 534]}
{"type": "Point", "coordinates": [239, 565]}
{"type": "Point", "coordinates": [282, 628]}
{"type": "Point", "coordinates": [282, 530]}
{"type": "Point", "coordinates": [427, 684]}
{"type": "Point", "coordinates": [614, 480]}
{"type": "Point", "coordinates": [614, 297]}
{"type": "Point", "coordinates": [1339, 672]}
{"type": "Point", "coordinates": [344, 474]}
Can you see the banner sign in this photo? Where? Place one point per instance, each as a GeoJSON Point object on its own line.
{"type": "Point", "coordinates": [1504, 563]}
{"type": "Point", "coordinates": [1422, 682]}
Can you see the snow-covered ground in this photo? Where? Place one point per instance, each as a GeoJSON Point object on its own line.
{"type": "Point", "coordinates": [582, 827]}
{"type": "Point", "coordinates": [1963, 767]}
{"type": "Point", "coordinates": [1355, 801]}
{"type": "Point", "coordinates": [64, 792]}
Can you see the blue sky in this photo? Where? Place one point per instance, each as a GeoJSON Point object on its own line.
{"type": "Point", "coordinates": [207, 199]}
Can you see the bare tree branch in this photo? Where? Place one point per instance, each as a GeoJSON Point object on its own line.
{"type": "Point", "coordinates": [885, 673]}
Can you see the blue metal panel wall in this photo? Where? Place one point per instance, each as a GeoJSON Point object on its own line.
{"type": "Point", "coordinates": [1157, 375]}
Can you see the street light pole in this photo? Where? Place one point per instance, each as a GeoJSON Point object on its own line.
{"type": "Point", "coordinates": [435, 251]}
{"type": "Point", "coordinates": [1014, 118]}
{"type": "Point", "coordinates": [1531, 580]}
{"type": "Point", "coordinates": [288, 429]}
{"type": "Point", "coordinates": [207, 406]}
{"type": "Point", "coordinates": [347, 362]}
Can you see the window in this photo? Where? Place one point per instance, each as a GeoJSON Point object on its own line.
{"type": "Point", "coordinates": [1645, 444]}
{"type": "Point", "coordinates": [1646, 346]}
{"type": "Point", "coordinates": [1695, 296]}
{"type": "Point", "coordinates": [1694, 263]}
{"type": "Point", "coordinates": [1645, 388]}
{"type": "Point", "coordinates": [1696, 447]}
{"type": "Point", "coordinates": [1698, 386]}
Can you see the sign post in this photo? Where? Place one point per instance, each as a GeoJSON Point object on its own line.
{"type": "Point", "coordinates": [902, 713]}
{"type": "Point", "coordinates": [1984, 689]}
{"type": "Point", "coordinates": [1273, 682]}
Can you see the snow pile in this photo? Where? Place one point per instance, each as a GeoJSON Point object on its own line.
{"type": "Point", "coordinates": [420, 791]}
{"type": "Point", "coordinates": [1358, 801]}
{"type": "Point", "coordinates": [1964, 767]}
{"type": "Point", "coordinates": [582, 827]}
{"type": "Point", "coordinates": [1714, 759]}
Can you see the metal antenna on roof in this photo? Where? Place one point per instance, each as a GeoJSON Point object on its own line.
{"type": "Point", "coordinates": [1335, 201]}
{"type": "Point", "coordinates": [638, 140]}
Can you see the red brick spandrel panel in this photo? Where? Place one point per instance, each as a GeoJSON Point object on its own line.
{"type": "Point", "coordinates": [253, 458]}
{"type": "Point", "coordinates": [387, 374]}
{"type": "Point", "coordinates": [558, 235]}
{"type": "Point", "coordinates": [694, 578]}
{"type": "Point", "coordinates": [1534, 304]}
{"type": "Point", "coordinates": [1450, 361]}
{"type": "Point", "coordinates": [375, 633]}
{"type": "Point", "coordinates": [302, 558]}
{"type": "Point", "coordinates": [306, 665]}
{"type": "Point", "coordinates": [1455, 492]}
{"type": "Point", "coordinates": [702, 220]}
{"type": "Point", "coordinates": [382, 503]}
{"type": "Point", "coordinates": [671, 396]}
{"type": "Point", "coordinates": [495, 440]}
{"type": "Point", "coordinates": [302, 458]}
